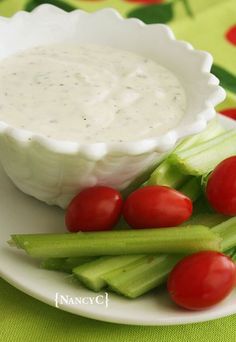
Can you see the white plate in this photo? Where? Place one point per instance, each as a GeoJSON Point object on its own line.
{"type": "Point", "coordinates": [20, 213]}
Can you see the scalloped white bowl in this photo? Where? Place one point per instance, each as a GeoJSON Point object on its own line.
{"type": "Point", "coordinates": [54, 171]}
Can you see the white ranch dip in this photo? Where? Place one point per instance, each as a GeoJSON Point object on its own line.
{"type": "Point", "coordinates": [89, 93]}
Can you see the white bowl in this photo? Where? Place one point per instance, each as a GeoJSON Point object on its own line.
{"type": "Point", "coordinates": [54, 171]}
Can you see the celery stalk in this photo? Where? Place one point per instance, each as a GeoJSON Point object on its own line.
{"type": "Point", "coordinates": [202, 206]}
{"type": "Point", "coordinates": [207, 219]}
{"type": "Point", "coordinates": [71, 263]}
{"type": "Point", "coordinates": [204, 181]}
{"type": "Point", "coordinates": [142, 275]}
{"type": "Point", "coordinates": [144, 241]}
{"type": "Point", "coordinates": [227, 231]}
{"type": "Point", "coordinates": [168, 174]}
{"type": "Point", "coordinates": [147, 272]}
{"type": "Point", "coordinates": [53, 264]}
{"type": "Point", "coordinates": [64, 264]}
{"type": "Point", "coordinates": [90, 274]}
{"type": "Point", "coordinates": [192, 188]}
{"type": "Point", "coordinates": [230, 252]}
{"type": "Point", "coordinates": [233, 257]}
{"type": "Point", "coordinates": [214, 129]}
{"type": "Point", "coordinates": [205, 157]}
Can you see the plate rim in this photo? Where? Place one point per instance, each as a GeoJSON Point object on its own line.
{"type": "Point", "coordinates": [117, 320]}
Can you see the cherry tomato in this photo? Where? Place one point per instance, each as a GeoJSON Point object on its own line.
{"type": "Point", "coordinates": [156, 206]}
{"type": "Point", "coordinates": [230, 112]}
{"type": "Point", "coordinates": [96, 208]}
{"type": "Point", "coordinates": [201, 280]}
{"type": "Point", "coordinates": [231, 35]}
{"type": "Point", "coordinates": [221, 187]}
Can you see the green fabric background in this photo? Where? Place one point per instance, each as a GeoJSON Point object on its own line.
{"type": "Point", "coordinates": [23, 318]}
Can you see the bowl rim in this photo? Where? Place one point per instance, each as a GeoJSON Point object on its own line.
{"type": "Point", "coordinates": [97, 150]}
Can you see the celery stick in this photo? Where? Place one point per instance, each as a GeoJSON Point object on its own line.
{"type": "Point", "coordinates": [204, 181]}
{"type": "Point", "coordinates": [71, 263]}
{"type": "Point", "coordinates": [90, 274]}
{"type": "Point", "coordinates": [202, 206]}
{"type": "Point", "coordinates": [203, 158]}
{"type": "Point", "coordinates": [214, 128]}
{"type": "Point", "coordinates": [140, 180]}
{"type": "Point", "coordinates": [227, 231]}
{"type": "Point", "coordinates": [142, 275]}
{"type": "Point", "coordinates": [64, 264]}
{"type": "Point", "coordinates": [207, 219]}
{"type": "Point", "coordinates": [140, 241]}
{"type": "Point", "coordinates": [202, 146]}
{"type": "Point", "coordinates": [233, 257]}
{"type": "Point", "coordinates": [192, 188]}
{"type": "Point", "coordinates": [53, 264]}
{"type": "Point", "coordinates": [230, 252]}
{"type": "Point", "coordinates": [168, 175]}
